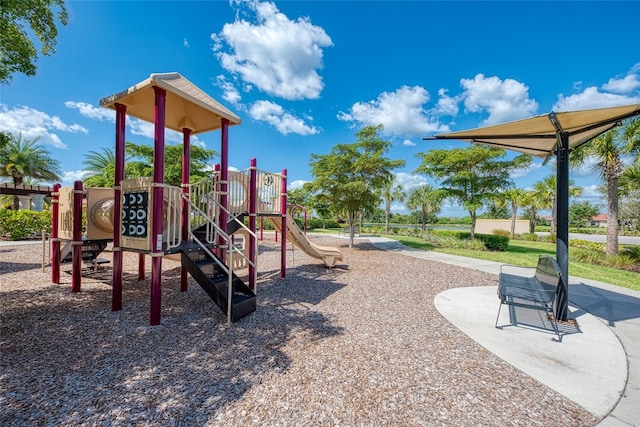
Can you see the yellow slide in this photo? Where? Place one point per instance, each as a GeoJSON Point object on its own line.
{"type": "Point", "coordinates": [329, 255]}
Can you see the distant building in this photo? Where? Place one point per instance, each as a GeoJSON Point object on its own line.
{"type": "Point", "coordinates": [599, 220]}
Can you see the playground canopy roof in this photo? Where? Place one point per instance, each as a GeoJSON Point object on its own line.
{"type": "Point", "coordinates": [538, 135]}
{"type": "Point", "coordinates": [186, 105]}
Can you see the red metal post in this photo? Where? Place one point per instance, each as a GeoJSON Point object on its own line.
{"type": "Point", "coordinates": [253, 208]}
{"type": "Point", "coordinates": [158, 206]}
{"type": "Point", "coordinates": [224, 179]}
{"type": "Point", "coordinates": [116, 288]}
{"type": "Point", "coordinates": [184, 216]}
{"type": "Point", "coordinates": [283, 211]}
{"type": "Point", "coordinates": [76, 239]}
{"type": "Point", "coordinates": [55, 241]}
{"type": "Point", "coordinates": [141, 267]}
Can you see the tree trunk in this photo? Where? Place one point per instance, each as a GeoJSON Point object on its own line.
{"type": "Point", "coordinates": [424, 220]}
{"type": "Point", "coordinates": [387, 213]}
{"type": "Point", "coordinates": [352, 222]}
{"type": "Point", "coordinates": [532, 221]}
{"type": "Point", "coordinates": [472, 214]}
{"type": "Point", "coordinates": [612, 216]}
{"type": "Point", "coordinates": [514, 214]}
{"type": "Point", "coordinates": [16, 201]}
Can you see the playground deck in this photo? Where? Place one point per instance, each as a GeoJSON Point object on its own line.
{"type": "Point", "coordinates": [356, 345]}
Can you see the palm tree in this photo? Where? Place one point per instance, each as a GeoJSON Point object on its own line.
{"type": "Point", "coordinates": [390, 192]}
{"type": "Point", "coordinates": [515, 197]}
{"type": "Point", "coordinates": [533, 200]}
{"type": "Point", "coordinates": [547, 196]}
{"type": "Point", "coordinates": [428, 199]}
{"type": "Point", "coordinates": [100, 167]}
{"type": "Point", "coordinates": [23, 158]}
{"type": "Point", "coordinates": [609, 150]}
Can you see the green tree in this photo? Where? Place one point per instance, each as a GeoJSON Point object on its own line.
{"type": "Point", "coordinates": [609, 150]}
{"type": "Point", "coordinates": [21, 159]}
{"type": "Point", "coordinates": [514, 197]}
{"type": "Point", "coordinates": [532, 202]}
{"type": "Point", "coordinates": [142, 162]}
{"type": "Point", "coordinates": [390, 192]}
{"type": "Point", "coordinates": [100, 168]}
{"type": "Point", "coordinates": [350, 177]}
{"type": "Point", "coordinates": [428, 200]}
{"type": "Point", "coordinates": [580, 213]}
{"type": "Point", "coordinates": [471, 175]}
{"type": "Point", "coordinates": [546, 190]}
{"type": "Point", "coordinates": [18, 53]}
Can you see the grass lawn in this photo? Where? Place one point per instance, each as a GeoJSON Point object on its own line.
{"type": "Point", "coordinates": [526, 253]}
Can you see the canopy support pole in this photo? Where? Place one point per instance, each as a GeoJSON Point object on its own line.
{"type": "Point", "coordinates": [562, 237]}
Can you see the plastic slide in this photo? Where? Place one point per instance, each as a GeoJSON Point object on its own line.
{"type": "Point", "coordinates": [328, 254]}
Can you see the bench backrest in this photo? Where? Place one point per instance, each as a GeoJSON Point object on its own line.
{"type": "Point", "coordinates": [548, 271]}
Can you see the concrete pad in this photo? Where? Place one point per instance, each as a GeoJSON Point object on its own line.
{"type": "Point", "coordinates": [588, 365]}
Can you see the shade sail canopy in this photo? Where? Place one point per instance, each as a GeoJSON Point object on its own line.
{"type": "Point", "coordinates": [186, 105]}
{"type": "Point", "coordinates": [538, 135]}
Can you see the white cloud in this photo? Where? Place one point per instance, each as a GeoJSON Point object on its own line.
{"type": "Point", "coordinates": [616, 92]}
{"type": "Point", "coordinates": [400, 112]}
{"type": "Point", "coordinates": [136, 126]}
{"type": "Point", "coordinates": [590, 98]}
{"type": "Point", "coordinates": [447, 105]}
{"type": "Point", "coordinates": [586, 169]}
{"type": "Point", "coordinates": [627, 84]}
{"type": "Point", "coordinates": [91, 112]}
{"type": "Point", "coordinates": [592, 192]}
{"type": "Point", "coordinates": [277, 117]}
{"type": "Point", "coordinates": [504, 100]}
{"type": "Point", "coordinates": [229, 92]}
{"type": "Point", "coordinates": [409, 181]}
{"type": "Point", "coordinates": [408, 143]}
{"type": "Point", "coordinates": [68, 177]}
{"type": "Point", "coordinates": [297, 184]}
{"type": "Point", "coordinates": [185, 43]}
{"type": "Point", "coordinates": [522, 172]}
{"type": "Point", "coordinates": [279, 56]}
{"type": "Point", "coordinates": [33, 124]}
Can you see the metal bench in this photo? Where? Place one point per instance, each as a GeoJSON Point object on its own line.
{"type": "Point", "coordinates": [535, 292]}
{"type": "Point", "coordinates": [347, 231]}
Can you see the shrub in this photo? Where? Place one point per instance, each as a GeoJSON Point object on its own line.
{"type": "Point", "coordinates": [22, 224]}
{"type": "Point", "coordinates": [500, 232]}
{"type": "Point", "coordinates": [585, 244]}
{"type": "Point", "coordinates": [455, 242]}
{"type": "Point", "coordinates": [532, 237]}
{"type": "Point", "coordinates": [491, 242]}
{"type": "Point", "coordinates": [632, 252]}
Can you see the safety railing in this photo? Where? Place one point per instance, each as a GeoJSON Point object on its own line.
{"type": "Point", "coordinates": [171, 216]}
{"type": "Point", "coordinates": [268, 193]}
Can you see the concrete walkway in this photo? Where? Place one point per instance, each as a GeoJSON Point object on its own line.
{"type": "Point", "coordinates": [597, 363]}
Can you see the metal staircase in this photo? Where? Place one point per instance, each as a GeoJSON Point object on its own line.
{"type": "Point", "coordinates": [211, 254]}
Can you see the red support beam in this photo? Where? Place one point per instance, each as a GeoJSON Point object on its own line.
{"type": "Point", "coordinates": [224, 179]}
{"type": "Point", "coordinates": [55, 241]}
{"type": "Point", "coordinates": [116, 281]}
{"type": "Point", "coordinates": [158, 206]}
{"type": "Point", "coordinates": [76, 239]}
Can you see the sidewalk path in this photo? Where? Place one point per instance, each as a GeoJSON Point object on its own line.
{"type": "Point", "coordinates": [597, 364]}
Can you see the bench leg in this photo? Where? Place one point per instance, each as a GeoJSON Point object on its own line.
{"type": "Point", "coordinates": [498, 316]}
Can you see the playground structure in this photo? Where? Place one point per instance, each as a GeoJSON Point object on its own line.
{"type": "Point", "coordinates": [201, 224]}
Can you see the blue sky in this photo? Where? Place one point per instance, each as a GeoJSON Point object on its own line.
{"type": "Point", "coordinates": [306, 75]}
